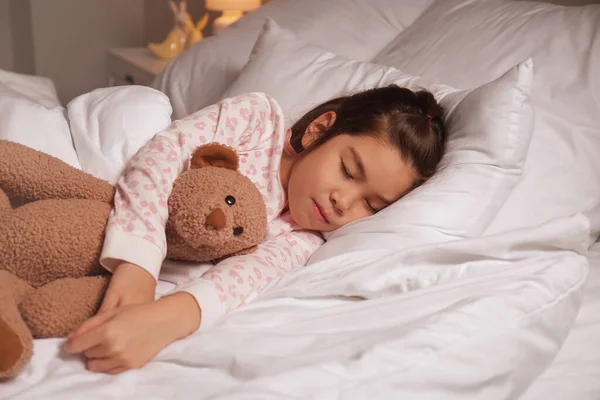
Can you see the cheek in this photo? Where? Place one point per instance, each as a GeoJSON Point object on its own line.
{"type": "Point", "coordinates": [298, 181]}
{"type": "Point", "coordinates": [309, 175]}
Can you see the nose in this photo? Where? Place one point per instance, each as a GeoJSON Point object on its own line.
{"type": "Point", "coordinates": [341, 201]}
{"type": "Point", "coordinates": [216, 219]}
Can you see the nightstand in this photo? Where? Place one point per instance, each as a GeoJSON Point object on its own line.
{"type": "Point", "coordinates": [133, 66]}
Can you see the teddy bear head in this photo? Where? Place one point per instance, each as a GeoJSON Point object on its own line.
{"type": "Point", "coordinates": [214, 211]}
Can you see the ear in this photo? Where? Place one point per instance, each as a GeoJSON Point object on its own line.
{"type": "Point", "coordinates": [316, 128]}
{"type": "Point", "coordinates": [214, 155]}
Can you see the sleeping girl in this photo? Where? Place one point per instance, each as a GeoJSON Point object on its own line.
{"type": "Point", "coordinates": [346, 159]}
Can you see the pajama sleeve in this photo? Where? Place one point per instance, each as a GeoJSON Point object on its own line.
{"type": "Point", "coordinates": [136, 227]}
{"type": "Point", "coordinates": [239, 280]}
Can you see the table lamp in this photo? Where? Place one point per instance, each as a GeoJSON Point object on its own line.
{"type": "Point", "coordinates": [232, 11]}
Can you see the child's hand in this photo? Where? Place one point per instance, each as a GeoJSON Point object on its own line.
{"type": "Point", "coordinates": [129, 284]}
{"type": "Point", "coordinates": [128, 337]}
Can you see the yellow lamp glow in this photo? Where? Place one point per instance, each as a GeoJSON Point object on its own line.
{"type": "Point", "coordinates": [232, 11]}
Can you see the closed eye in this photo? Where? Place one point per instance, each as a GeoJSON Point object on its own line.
{"type": "Point", "coordinates": [371, 208]}
{"type": "Point", "coordinates": [345, 171]}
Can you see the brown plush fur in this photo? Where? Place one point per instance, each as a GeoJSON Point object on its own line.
{"type": "Point", "coordinates": [32, 175]}
{"type": "Point", "coordinates": [50, 277]}
{"type": "Point", "coordinates": [16, 342]}
{"type": "Point", "coordinates": [4, 203]}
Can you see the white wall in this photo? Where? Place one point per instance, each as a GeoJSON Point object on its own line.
{"type": "Point", "coordinates": [6, 51]}
{"type": "Point", "coordinates": [71, 39]}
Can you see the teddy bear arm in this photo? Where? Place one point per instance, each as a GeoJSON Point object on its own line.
{"type": "Point", "coordinates": [28, 175]}
{"type": "Point", "coordinates": [57, 308]}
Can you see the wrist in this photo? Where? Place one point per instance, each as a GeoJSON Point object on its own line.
{"type": "Point", "coordinates": [181, 313]}
{"type": "Point", "coordinates": [142, 275]}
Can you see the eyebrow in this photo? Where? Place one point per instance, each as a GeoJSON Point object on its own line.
{"type": "Point", "coordinates": [363, 174]}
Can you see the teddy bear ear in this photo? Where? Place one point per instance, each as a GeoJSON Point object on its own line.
{"type": "Point", "coordinates": [215, 155]}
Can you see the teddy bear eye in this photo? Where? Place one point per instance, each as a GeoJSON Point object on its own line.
{"type": "Point", "coordinates": [230, 200]}
{"type": "Point", "coordinates": [237, 231]}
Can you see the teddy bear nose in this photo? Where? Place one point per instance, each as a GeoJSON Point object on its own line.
{"type": "Point", "coordinates": [216, 219]}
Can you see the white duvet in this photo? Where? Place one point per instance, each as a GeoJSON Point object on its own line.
{"type": "Point", "coordinates": [470, 319]}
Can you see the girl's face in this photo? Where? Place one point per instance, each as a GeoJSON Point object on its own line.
{"type": "Point", "coordinates": [345, 179]}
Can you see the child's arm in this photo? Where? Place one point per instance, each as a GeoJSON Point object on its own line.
{"type": "Point", "coordinates": [135, 234]}
{"type": "Point", "coordinates": [128, 337]}
{"type": "Point", "coordinates": [239, 280]}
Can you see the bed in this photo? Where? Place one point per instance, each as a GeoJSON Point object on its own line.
{"type": "Point", "coordinates": [488, 289]}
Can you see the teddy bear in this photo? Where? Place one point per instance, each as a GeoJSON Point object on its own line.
{"type": "Point", "coordinates": [50, 277]}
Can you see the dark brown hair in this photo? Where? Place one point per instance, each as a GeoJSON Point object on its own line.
{"type": "Point", "coordinates": [409, 121]}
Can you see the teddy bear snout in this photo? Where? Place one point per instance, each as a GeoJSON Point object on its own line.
{"type": "Point", "coordinates": [205, 225]}
{"type": "Point", "coordinates": [216, 219]}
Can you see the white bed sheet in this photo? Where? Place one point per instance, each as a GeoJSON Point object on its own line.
{"type": "Point", "coordinates": [575, 372]}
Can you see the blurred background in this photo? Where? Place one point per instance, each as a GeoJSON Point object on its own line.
{"type": "Point", "coordinates": [68, 41]}
{"type": "Point", "coordinates": [86, 44]}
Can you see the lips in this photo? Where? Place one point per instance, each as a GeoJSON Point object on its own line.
{"type": "Point", "coordinates": [318, 212]}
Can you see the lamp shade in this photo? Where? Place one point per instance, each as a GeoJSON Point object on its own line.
{"type": "Point", "coordinates": [232, 5]}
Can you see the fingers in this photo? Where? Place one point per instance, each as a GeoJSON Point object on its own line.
{"type": "Point", "coordinates": [90, 338]}
{"type": "Point", "coordinates": [99, 351]}
{"type": "Point", "coordinates": [112, 365]}
{"type": "Point", "coordinates": [111, 300]}
{"type": "Point", "coordinates": [105, 349]}
{"type": "Point", "coordinates": [89, 324]}
{"type": "Point", "coordinates": [104, 364]}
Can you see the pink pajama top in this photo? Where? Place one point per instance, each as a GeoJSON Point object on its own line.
{"type": "Point", "coordinates": [252, 124]}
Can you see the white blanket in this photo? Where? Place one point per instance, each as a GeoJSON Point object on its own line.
{"type": "Point", "coordinates": [470, 319]}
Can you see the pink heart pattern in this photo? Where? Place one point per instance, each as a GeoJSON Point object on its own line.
{"type": "Point", "coordinates": [252, 125]}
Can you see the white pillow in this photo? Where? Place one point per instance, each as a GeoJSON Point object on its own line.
{"type": "Point", "coordinates": [358, 29]}
{"type": "Point", "coordinates": [489, 130]}
{"type": "Point", "coordinates": [466, 42]}
{"type": "Point", "coordinates": [31, 114]}
{"type": "Point", "coordinates": [38, 89]}
{"type": "Point", "coordinates": [110, 125]}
